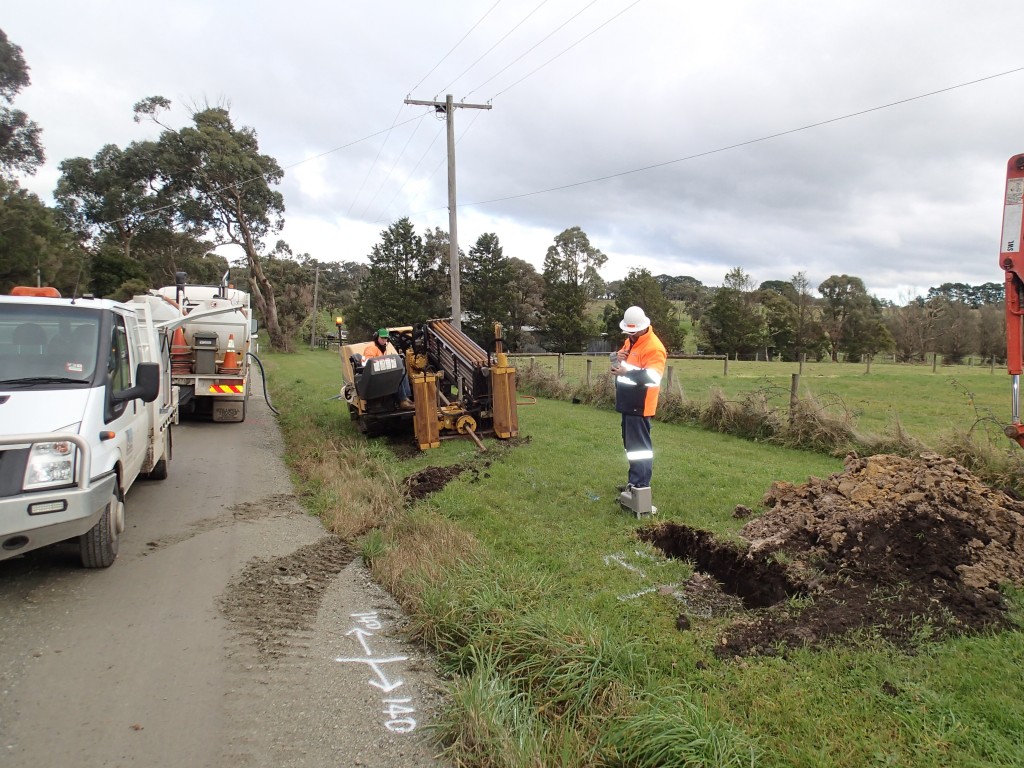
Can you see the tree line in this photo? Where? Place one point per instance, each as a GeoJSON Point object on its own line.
{"type": "Point", "coordinates": [128, 218]}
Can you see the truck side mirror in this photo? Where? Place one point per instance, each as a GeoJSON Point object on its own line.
{"type": "Point", "coordinates": [252, 325]}
{"type": "Point", "coordinates": [147, 384]}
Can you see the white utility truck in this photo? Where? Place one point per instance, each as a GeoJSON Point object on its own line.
{"type": "Point", "coordinates": [86, 407]}
{"type": "Point", "coordinates": [209, 356]}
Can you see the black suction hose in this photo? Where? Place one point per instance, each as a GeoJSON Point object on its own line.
{"type": "Point", "coordinates": [263, 377]}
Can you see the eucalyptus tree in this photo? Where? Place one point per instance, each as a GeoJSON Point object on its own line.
{"type": "Point", "coordinates": [35, 244]}
{"type": "Point", "coordinates": [569, 267]}
{"type": "Point", "coordinates": [527, 304]}
{"type": "Point", "coordinates": [21, 149]}
{"type": "Point", "coordinates": [808, 334]}
{"type": "Point", "coordinates": [992, 331]}
{"type": "Point", "coordinates": [956, 330]}
{"type": "Point", "coordinates": [221, 185]}
{"type": "Point", "coordinates": [113, 196]}
{"type": "Point", "coordinates": [640, 288]}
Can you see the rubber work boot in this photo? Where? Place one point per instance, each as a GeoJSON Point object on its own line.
{"type": "Point", "coordinates": [407, 405]}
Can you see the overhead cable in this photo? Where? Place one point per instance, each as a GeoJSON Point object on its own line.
{"type": "Point", "coordinates": [454, 47]}
{"type": "Point", "coordinates": [524, 53]}
{"type": "Point", "coordinates": [748, 142]}
{"type": "Point", "coordinates": [485, 53]}
{"type": "Point", "coordinates": [533, 72]}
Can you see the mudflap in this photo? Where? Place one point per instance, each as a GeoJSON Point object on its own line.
{"type": "Point", "coordinates": [228, 410]}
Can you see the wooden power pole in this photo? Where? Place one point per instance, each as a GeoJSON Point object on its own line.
{"type": "Point", "coordinates": [446, 107]}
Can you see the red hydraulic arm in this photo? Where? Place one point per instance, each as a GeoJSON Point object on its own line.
{"type": "Point", "coordinates": [1011, 259]}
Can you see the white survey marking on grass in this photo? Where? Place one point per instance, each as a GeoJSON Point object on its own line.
{"type": "Point", "coordinates": [620, 559]}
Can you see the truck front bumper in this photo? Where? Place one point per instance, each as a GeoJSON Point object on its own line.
{"type": "Point", "coordinates": [24, 527]}
{"type": "Point", "coordinates": [34, 519]}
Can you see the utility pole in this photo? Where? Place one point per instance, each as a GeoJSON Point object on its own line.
{"type": "Point", "coordinates": [446, 107]}
{"type": "Point", "coordinates": [316, 289]}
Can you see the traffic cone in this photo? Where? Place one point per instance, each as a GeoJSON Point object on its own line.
{"type": "Point", "coordinates": [230, 363]}
{"type": "Point", "coordinates": [181, 353]}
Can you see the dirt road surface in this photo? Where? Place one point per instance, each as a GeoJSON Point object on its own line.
{"type": "Point", "coordinates": [231, 631]}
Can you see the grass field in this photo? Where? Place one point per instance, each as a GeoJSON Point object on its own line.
{"type": "Point", "coordinates": [558, 627]}
{"type": "Point", "coordinates": [923, 401]}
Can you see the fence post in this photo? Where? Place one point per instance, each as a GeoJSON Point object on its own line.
{"type": "Point", "coordinates": [668, 374]}
{"type": "Point", "coordinates": [590, 367]}
{"type": "Point", "coordinates": [935, 360]}
{"type": "Point", "coordinates": [533, 361]}
{"type": "Point", "coordinates": [561, 365]}
{"type": "Point", "coordinates": [725, 366]}
{"type": "Point", "coordinates": [869, 364]}
{"type": "Point", "coordinates": [993, 363]}
{"type": "Point", "coordinates": [794, 390]}
{"type": "Point", "coordinates": [803, 359]}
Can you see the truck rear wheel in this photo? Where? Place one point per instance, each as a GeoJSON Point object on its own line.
{"type": "Point", "coordinates": [99, 546]}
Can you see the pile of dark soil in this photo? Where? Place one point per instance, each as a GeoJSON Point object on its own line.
{"type": "Point", "coordinates": [903, 549]}
{"type": "Point", "coordinates": [429, 480]}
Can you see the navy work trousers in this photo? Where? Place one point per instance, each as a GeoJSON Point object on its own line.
{"type": "Point", "coordinates": [636, 439]}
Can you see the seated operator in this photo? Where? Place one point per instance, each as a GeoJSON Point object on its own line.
{"type": "Point", "coordinates": [381, 345]}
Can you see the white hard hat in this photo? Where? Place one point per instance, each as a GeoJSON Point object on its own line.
{"type": "Point", "coordinates": [634, 320]}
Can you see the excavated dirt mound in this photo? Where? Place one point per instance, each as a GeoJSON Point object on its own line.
{"type": "Point", "coordinates": [904, 549]}
{"type": "Point", "coordinates": [429, 480]}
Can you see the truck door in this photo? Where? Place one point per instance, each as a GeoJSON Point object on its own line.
{"type": "Point", "coordinates": [127, 419]}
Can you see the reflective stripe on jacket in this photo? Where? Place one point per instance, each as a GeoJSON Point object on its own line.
{"type": "Point", "coordinates": [639, 379]}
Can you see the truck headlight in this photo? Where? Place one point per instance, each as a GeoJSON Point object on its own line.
{"type": "Point", "coordinates": [50, 465]}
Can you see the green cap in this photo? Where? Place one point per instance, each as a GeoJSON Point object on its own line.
{"type": "Point", "coordinates": [383, 332]}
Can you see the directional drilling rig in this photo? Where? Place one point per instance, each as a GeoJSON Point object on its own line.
{"type": "Point", "coordinates": [458, 388]}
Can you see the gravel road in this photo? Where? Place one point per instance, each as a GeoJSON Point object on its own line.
{"type": "Point", "coordinates": [231, 631]}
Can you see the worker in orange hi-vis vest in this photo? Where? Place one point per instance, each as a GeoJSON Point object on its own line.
{"type": "Point", "coordinates": [638, 369]}
{"type": "Point", "coordinates": [381, 345]}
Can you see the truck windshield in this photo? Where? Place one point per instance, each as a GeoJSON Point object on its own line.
{"type": "Point", "coordinates": [47, 346]}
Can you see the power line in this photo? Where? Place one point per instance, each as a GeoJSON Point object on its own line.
{"type": "Point", "coordinates": [529, 74]}
{"type": "Point", "coordinates": [524, 53]}
{"type": "Point", "coordinates": [748, 142]}
{"type": "Point", "coordinates": [374, 163]}
{"type": "Point", "coordinates": [391, 170]}
{"type": "Point", "coordinates": [412, 172]}
{"type": "Point", "coordinates": [240, 184]}
{"type": "Point", "coordinates": [485, 53]}
{"type": "Point", "coordinates": [454, 47]}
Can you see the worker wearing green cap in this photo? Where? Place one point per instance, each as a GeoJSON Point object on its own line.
{"type": "Point", "coordinates": [381, 345]}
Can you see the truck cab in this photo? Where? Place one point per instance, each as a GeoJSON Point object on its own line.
{"type": "Point", "coordinates": [81, 417]}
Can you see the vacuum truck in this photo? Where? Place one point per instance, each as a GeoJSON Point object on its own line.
{"type": "Point", "coordinates": [210, 353]}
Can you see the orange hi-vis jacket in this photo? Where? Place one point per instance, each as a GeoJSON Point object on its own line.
{"type": "Point", "coordinates": [639, 379]}
{"type": "Point", "coordinates": [372, 350]}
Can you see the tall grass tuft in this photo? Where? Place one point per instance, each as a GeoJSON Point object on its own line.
{"type": "Point", "coordinates": [673, 730]}
{"type": "Point", "coordinates": [489, 723]}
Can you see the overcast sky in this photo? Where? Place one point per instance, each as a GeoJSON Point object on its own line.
{"type": "Point", "coordinates": [586, 96]}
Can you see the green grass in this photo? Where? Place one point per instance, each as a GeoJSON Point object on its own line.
{"type": "Point", "coordinates": [563, 651]}
{"type": "Point", "coordinates": [924, 403]}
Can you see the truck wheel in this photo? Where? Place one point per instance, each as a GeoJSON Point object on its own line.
{"type": "Point", "coordinates": [99, 546]}
{"type": "Point", "coordinates": [159, 471]}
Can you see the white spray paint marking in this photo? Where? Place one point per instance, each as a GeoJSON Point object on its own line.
{"type": "Point", "coordinates": [619, 558]}
{"type": "Point", "coordinates": [398, 709]}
